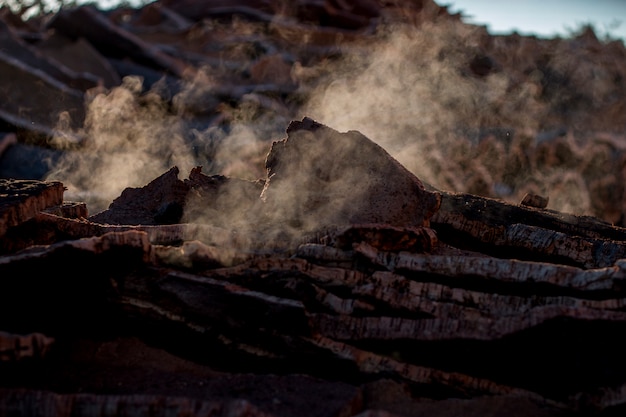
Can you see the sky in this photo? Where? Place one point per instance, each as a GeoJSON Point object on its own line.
{"type": "Point", "coordinates": [545, 18]}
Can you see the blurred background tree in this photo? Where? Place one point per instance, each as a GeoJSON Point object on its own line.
{"type": "Point", "coordinates": [33, 8]}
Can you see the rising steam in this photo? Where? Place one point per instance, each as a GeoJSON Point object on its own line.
{"type": "Point", "coordinates": [130, 140]}
{"type": "Point", "coordinates": [133, 136]}
{"type": "Point", "coordinates": [414, 94]}
{"type": "Point", "coordinates": [417, 92]}
{"type": "Point", "coordinates": [423, 95]}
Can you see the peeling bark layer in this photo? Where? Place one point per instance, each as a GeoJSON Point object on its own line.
{"type": "Point", "coordinates": [506, 230]}
{"type": "Point", "coordinates": [483, 299]}
{"type": "Point", "coordinates": [338, 284]}
{"type": "Point", "coordinates": [22, 199]}
{"type": "Point", "coordinates": [307, 315]}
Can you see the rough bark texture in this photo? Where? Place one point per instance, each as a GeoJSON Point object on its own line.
{"type": "Point", "coordinates": [491, 300]}
{"type": "Point", "coordinates": [199, 199]}
{"type": "Point", "coordinates": [337, 284]}
{"type": "Point", "coordinates": [502, 229]}
{"type": "Point", "coordinates": [318, 176]}
{"type": "Point", "coordinates": [21, 200]}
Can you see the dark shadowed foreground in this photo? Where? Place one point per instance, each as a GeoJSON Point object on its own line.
{"type": "Point", "coordinates": [341, 287]}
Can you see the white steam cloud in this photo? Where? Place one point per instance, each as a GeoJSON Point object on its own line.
{"type": "Point", "coordinates": [412, 90]}
{"type": "Point", "coordinates": [133, 136]}
{"type": "Point", "coordinates": [416, 93]}
{"type": "Point", "coordinates": [131, 139]}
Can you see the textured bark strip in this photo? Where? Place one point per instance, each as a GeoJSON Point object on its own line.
{"type": "Point", "coordinates": [372, 363]}
{"type": "Point", "coordinates": [587, 252]}
{"type": "Point", "coordinates": [263, 265]}
{"type": "Point", "coordinates": [578, 240]}
{"type": "Point", "coordinates": [476, 328]}
{"type": "Point", "coordinates": [322, 253]}
{"type": "Point", "coordinates": [21, 200]}
{"type": "Point", "coordinates": [96, 244]}
{"type": "Point", "coordinates": [503, 270]}
{"type": "Point", "coordinates": [320, 177]}
{"type": "Point", "coordinates": [453, 302]}
{"type": "Point", "coordinates": [431, 298]}
{"type": "Point", "coordinates": [42, 403]}
{"type": "Point", "coordinates": [161, 234]}
{"type": "Point", "coordinates": [202, 303]}
{"type": "Point", "coordinates": [457, 209]}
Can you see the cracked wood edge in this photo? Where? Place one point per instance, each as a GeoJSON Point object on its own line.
{"type": "Point", "coordinates": [505, 270]}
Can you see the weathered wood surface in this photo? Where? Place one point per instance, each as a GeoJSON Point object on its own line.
{"type": "Point", "coordinates": [489, 268]}
{"type": "Point", "coordinates": [352, 302]}
{"type": "Point", "coordinates": [276, 308]}
{"type": "Point", "coordinates": [428, 302]}
{"type": "Point", "coordinates": [511, 231]}
{"type": "Point", "coordinates": [447, 298]}
{"type": "Point", "coordinates": [22, 200]}
{"type": "Point", "coordinates": [458, 206]}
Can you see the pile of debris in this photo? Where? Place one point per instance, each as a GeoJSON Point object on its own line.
{"type": "Point", "coordinates": [194, 82]}
{"type": "Point", "coordinates": [338, 285]}
{"type": "Point", "coordinates": [316, 275]}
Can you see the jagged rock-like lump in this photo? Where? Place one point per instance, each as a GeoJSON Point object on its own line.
{"type": "Point", "coordinates": [320, 176]}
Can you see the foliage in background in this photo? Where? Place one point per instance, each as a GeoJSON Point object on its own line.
{"type": "Point", "coordinates": [27, 9]}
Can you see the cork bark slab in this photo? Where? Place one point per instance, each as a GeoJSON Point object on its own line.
{"type": "Point", "coordinates": [21, 200]}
